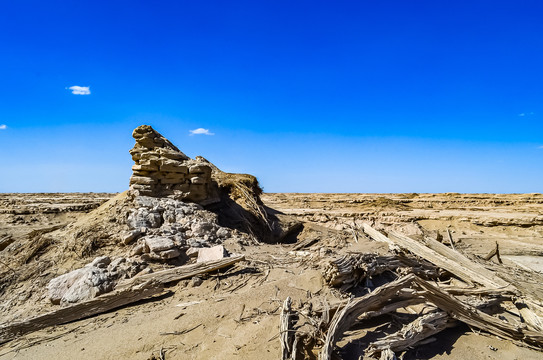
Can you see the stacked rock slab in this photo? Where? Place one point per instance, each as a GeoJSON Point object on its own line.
{"type": "Point", "coordinates": [162, 170]}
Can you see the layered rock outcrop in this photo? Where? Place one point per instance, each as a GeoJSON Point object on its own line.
{"type": "Point", "coordinates": [162, 170]}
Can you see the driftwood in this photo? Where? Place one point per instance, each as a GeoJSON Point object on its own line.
{"type": "Point", "coordinates": [353, 268]}
{"type": "Point", "coordinates": [412, 333]}
{"type": "Point", "coordinates": [494, 252]}
{"type": "Point", "coordinates": [486, 290]}
{"type": "Point", "coordinates": [385, 296]}
{"type": "Point", "coordinates": [450, 260]}
{"type": "Point", "coordinates": [451, 241]}
{"type": "Point", "coordinates": [373, 301]}
{"type": "Point", "coordinates": [98, 305]}
{"type": "Point", "coordinates": [443, 257]}
{"type": "Point", "coordinates": [181, 272]}
{"type": "Point", "coordinates": [529, 314]}
{"type": "Point", "coordinates": [477, 318]}
{"type": "Point", "coordinates": [133, 290]}
{"type": "Point", "coordinates": [5, 242]}
{"type": "Point", "coordinates": [305, 243]}
{"type": "Point", "coordinates": [285, 330]}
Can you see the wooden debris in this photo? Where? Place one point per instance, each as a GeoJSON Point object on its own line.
{"type": "Point", "coordinates": [181, 332]}
{"type": "Point", "coordinates": [181, 272]}
{"type": "Point", "coordinates": [529, 314]}
{"type": "Point", "coordinates": [477, 318]}
{"type": "Point", "coordinates": [450, 239]}
{"type": "Point", "coordinates": [443, 257]}
{"type": "Point", "coordinates": [373, 301]}
{"type": "Point", "coordinates": [494, 252]}
{"type": "Point", "coordinates": [353, 268]}
{"type": "Point", "coordinates": [413, 333]}
{"type": "Point", "coordinates": [285, 329]}
{"type": "Point", "coordinates": [133, 290]}
{"type": "Point", "coordinates": [98, 305]}
{"type": "Point", "coordinates": [5, 242]}
{"type": "Point", "coordinates": [383, 299]}
{"type": "Point", "coordinates": [305, 243]}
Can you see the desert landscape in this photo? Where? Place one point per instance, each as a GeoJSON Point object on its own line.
{"type": "Point", "coordinates": [194, 263]}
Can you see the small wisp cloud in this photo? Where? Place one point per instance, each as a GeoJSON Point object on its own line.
{"type": "Point", "coordinates": [3, 127]}
{"type": "Point", "coordinates": [80, 90]}
{"type": "Point", "coordinates": [200, 131]}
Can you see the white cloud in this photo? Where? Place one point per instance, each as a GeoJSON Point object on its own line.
{"type": "Point", "coordinates": [540, 147]}
{"type": "Point", "coordinates": [3, 127]}
{"type": "Point", "coordinates": [80, 90]}
{"type": "Point", "coordinates": [522, 114]}
{"type": "Point", "coordinates": [200, 131]}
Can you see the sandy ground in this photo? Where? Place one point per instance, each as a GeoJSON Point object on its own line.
{"type": "Point", "coordinates": [235, 313]}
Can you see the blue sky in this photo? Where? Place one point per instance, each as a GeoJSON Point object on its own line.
{"type": "Point", "coordinates": [309, 96]}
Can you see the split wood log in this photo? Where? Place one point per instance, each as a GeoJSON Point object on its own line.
{"type": "Point", "coordinates": [285, 329]}
{"type": "Point", "coordinates": [181, 272]}
{"type": "Point", "coordinates": [377, 236]}
{"type": "Point", "coordinates": [98, 305]}
{"type": "Point", "coordinates": [443, 257]}
{"type": "Point", "coordinates": [412, 333]}
{"type": "Point", "coordinates": [450, 260]}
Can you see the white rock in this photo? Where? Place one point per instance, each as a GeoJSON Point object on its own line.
{"type": "Point", "coordinates": [211, 254]}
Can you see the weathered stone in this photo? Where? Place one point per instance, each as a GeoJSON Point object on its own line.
{"type": "Point", "coordinates": [171, 154]}
{"type": "Point", "coordinates": [173, 166]}
{"type": "Point", "coordinates": [173, 180]}
{"type": "Point", "coordinates": [95, 282]}
{"type": "Point", "coordinates": [130, 236]}
{"type": "Point", "coordinates": [81, 284]}
{"type": "Point", "coordinates": [210, 254]}
{"type": "Point", "coordinates": [200, 169]}
{"type": "Point", "coordinates": [198, 180]}
{"type": "Point", "coordinates": [159, 243]}
{"type": "Point", "coordinates": [139, 249]}
{"type": "Point", "coordinates": [142, 180]}
{"type": "Point", "coordinates": [196, 281]}
{"type": "Point", "coordinates": [183, 188]}
{"type": "Point", "coordinates": [169, 254]}
{"type": "Point", "coordinates": [196, 242]}
{"type": "Point", "coordinates": [154, 219]}
{"type": "Point", "coordinates": [144, 167]}
{"type": "Point", "coordinates": [201, 228]}
{"type": "Point", "coordinates": [223, 233]}
{"type": "Point", "coordinates": [192, 252]}
{"type": "Point", "coordinates": [58, 286]}
{"type": "Point", "coordinates": [101, 262]}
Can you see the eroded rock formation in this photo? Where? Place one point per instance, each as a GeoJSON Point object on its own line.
{"type": "Point", "coordinates": [162, 170]}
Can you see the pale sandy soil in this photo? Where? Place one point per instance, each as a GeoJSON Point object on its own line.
{"type": "Point", "coordinates": [236, 315]}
